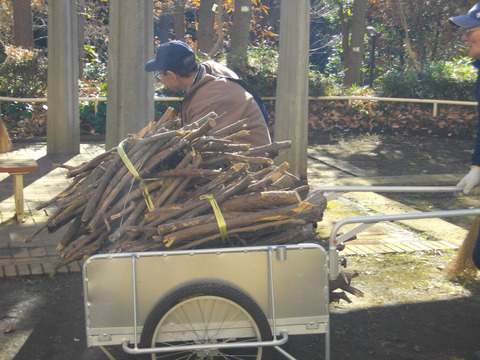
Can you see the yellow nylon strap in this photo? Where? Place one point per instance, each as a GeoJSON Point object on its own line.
{"type": "Point", "coordinates": [222, 225]}
{"type": "Point", "coordinates": [136, 175]}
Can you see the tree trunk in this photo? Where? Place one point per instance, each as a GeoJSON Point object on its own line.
{"type": "Point", "coordinates": [206, 26]}
{"type": "Point", "coordinates": [345, 26]}
{"type": "Point", "coordinates": [3, 52]}
{"type": "Point", "coordinates": [237, 55]}
{"type": "Point", "coordinates": [22, 23]}
{"type": "Point", "coordinates": [179, 19]}
{"type": "Point", "coordinates": [354, 56]}
{"type": "Point", "coordinates": [220, 34]}
{"type": "Point", "coordinates": [81, 35]}
{"type": "Point", "coordinates": [406, 40]}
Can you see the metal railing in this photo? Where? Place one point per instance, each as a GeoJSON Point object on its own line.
{"type": "Point", "coordinates": [350, 99]}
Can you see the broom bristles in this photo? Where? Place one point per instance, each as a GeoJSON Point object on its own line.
{"type": "Point", "coordinates": [5, 142]}
{"type": "Point", "coordinates": [462, 265]}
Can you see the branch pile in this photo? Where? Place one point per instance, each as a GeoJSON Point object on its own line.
{"type": "Point", "coordinates": [157, 194]}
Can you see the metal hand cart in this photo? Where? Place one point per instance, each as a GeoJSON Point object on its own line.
{"type": "Point", "coordinates": [218, 303]}
{"type": "Point", "coordinates": [229, 303]}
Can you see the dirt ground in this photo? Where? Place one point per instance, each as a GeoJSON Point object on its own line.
{"type": "Point", "coordinates": [397, 155]}
{"type": "Point", "coordinates": [409, 309]}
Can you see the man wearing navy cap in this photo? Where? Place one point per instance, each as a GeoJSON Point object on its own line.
{"type": "Point", "coordinates": [470, 23]}
{"type": "Point", "coordinates": [208, 88]}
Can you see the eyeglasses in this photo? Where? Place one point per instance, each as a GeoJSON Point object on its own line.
{"type": "Point", "coordinates": [470, 31]}
{"type": "Point", "coordinates": [158, 75]}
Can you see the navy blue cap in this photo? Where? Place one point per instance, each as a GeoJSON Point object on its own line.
{"type": "Point", "coordinates": [470, 19]}
{"type": "Point", "coordinates": [169, 56]}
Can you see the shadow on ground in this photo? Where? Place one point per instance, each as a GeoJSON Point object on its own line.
{"type": "Point", "coordinates": [440, 330]}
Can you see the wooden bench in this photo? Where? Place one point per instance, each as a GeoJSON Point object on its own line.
{"type": "Point", "coordinates": [17, 168]}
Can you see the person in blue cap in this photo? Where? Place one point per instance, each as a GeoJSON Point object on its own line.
{"type": "Point", "coordinates": [209, 87]}
{"type": "Point", "coordinates": [470, 23]}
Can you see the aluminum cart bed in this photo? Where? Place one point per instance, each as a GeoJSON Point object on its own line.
{"type": "Point", "coordinates": [218, 298]}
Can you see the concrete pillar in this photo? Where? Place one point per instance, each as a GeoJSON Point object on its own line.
{"type": "Point", "coordinates": [291, 109]}
{"type": "Point", "coordinates": [130, 87]}
{"type": "Point", "coordinates": [63, 121]}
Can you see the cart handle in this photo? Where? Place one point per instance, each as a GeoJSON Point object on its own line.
{"type": "Point", "coordinates": [388, 188]}
{"type": "Point", "coordinates": [137, 351]}
{"type": "Point", "coordinates": [333, 192]}
{"type": "Point", "coordinates": [333, 240]}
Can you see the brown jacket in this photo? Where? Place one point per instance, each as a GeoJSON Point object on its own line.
{"type": "Point", "coordinates": [226, 98]}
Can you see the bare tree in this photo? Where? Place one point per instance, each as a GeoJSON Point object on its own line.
{"type": "Point", "coordinates": [81, 35]}
{"type": "Point", "coordinates": [406, 39]}
{"type": "Point", "coordinates": [355, 47]}
{"type": "Point", "coordinates": [242, 16]}
{"type": "Point", "coordinates": [3, 52]}
{"type": "Point", "coordinates": [206, 26]}
{"type": "Point", "coordinates": [179, 19]}
{"type": "Point", "coordinates": [220, 33]}
{"type": "Point", "coordinates": [22, 23]}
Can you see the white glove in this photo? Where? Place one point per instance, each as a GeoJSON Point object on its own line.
{"type": "Point", "coordinates": [470, 180]}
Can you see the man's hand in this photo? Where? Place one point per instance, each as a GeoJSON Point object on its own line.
{"type": "Point", "coordinates": [470, 180]}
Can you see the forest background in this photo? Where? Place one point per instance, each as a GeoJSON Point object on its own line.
{"type": "Point", "coordinates": [389, 48]}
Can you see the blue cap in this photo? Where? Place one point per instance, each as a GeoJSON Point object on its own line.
{"type": "Point", "coordinates": [169, 56]}
{"type": "Point", "coordinates": [470, 19]}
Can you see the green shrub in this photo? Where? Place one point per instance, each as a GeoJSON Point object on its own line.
{"type": "Point", "coordinates": [321, 84]}
{"type": "Point", "coordinates": [93, 68]}
{"type": "Point", "coordinates": [24, 119]}
{"type": "Point", "coordinates": [451, 80]}
{"type": "Point", "coordinates": [23, 74]}
{"type": "Point", "coordinates": [95, 71]}
{"type": "Point", "coordinates": [262, 74]}
{"type": "Point", "coordinates": [93, 119]}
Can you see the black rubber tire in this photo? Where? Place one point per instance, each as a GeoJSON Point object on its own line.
{"type": "Point", "coordinates": [217, 296]}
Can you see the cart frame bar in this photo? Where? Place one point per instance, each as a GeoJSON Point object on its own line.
{"type": "Point", "coordinates": [367, 221]}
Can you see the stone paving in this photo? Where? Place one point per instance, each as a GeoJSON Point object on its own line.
{"type": "Point", "coordinates": [37, 257]}
{"type": "Point", "coordinates": [18, 258]}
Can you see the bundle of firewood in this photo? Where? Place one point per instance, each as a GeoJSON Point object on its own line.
{"type": "Point", "coordinates": [173, 187]}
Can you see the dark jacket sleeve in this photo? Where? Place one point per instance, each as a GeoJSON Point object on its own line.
{"type": "Point", "coordinates": [476, 148]}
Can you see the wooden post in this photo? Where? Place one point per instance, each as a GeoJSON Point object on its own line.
{"type": "Point", "coordinates": [17, 168]}
{"type": "Point", "coordinates": [130, 87]}
{"type": "Point", "coordinates": [18, 196]}
{"type": "Point", "coordinates": [63, 121]}
{"type": "Point", "coordinates": [291, 109]}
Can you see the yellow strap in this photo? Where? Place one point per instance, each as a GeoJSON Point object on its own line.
{"type": "Point", "coordinates": [107, 353]}
{"type": "Point", "coordinates": [222, 225]}
{"type": "Point", "coordinates": [136, 175]}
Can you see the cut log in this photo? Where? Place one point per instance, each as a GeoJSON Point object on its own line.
{"type": "Point", "coordinates": [241, 221]}
{"type": "Point", "coordinates": [261, 200]}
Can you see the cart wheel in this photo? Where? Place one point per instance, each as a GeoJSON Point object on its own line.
{"type": "Point", "coordinates": [206, 314]}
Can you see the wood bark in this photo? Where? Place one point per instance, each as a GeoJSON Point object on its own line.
{"type": "Point", "coordinates": [206, 22]}
{"type": "Point", "coordinates": [259, 216]}
{"type": "Point", "coordinates": [242, 16]}
{"type": "Point", "coordinates": [179, 19]}
{"type": "Point", "coordinates": [22, 23]}
{"type": "Point", "coordinates": [220, 33]}
{"type": "Point", "coordinates": [406, 39]}
{"type": "Point", "coordinates": [355, 53]}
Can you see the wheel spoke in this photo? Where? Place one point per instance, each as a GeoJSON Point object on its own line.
{"type": "Point", "coordinates": [191, 319]}
{"type": "Point", "coordinates": [178, 356]}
